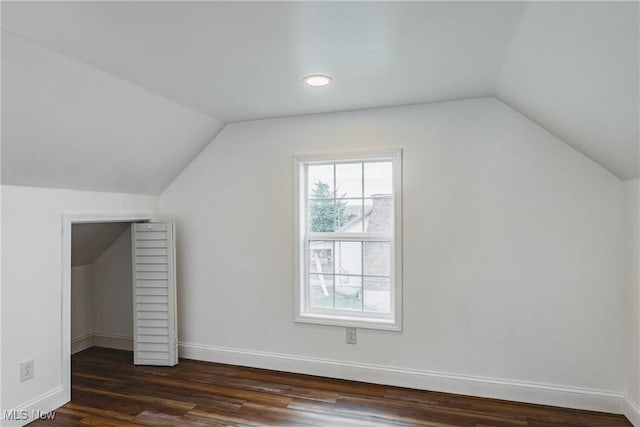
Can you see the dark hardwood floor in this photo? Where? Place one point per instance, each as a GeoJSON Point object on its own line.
{"type": "Point", "coordinates": [107, 390]}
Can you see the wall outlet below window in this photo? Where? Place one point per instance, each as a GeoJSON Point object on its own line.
{"type": "Point", "coordinates": [351, 336]}
{"type": "Point", "coordinates": [26, 370]}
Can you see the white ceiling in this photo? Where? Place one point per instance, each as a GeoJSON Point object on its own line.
{"type": "Point", "coordinates": [246, 60]}
{"type": "Point", "coordinates": [89, 241]}
{"type": "Point", "coordinates": [162, 77]}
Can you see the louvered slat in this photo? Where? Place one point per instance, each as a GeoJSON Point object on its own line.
{"type": "Point", "coordinates": [147, 259]}
{"type": "Point", "coordinates": [155, 323]}
{"type": "Point", "coordinates": [154, 338]}
{"type": "Point", "coordinates": [143, 244]}
{"type": "Point", "coordinates": [153, 315]}
{"type": "Point", "coordinates": [153, 299]}
{"type": "Point", "coordinates": [153, 291]}
{"type": "Point", "coordinates": [151, 267]}
{"type": "Point", "coordinates": [151, 284]}
{"type": "Point", "coordinates": [151, 252]}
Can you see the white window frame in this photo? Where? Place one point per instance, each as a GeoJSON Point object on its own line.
{"type": "Point", "coordinates": [302, 311]}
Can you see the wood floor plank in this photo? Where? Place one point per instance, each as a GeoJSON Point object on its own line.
{"type": "Point", "coordinates": [294, 416]}
{"type": "Point", "coordinates": [194, 397]}
{"type": "Point", "coordinates": [478, 405]}
{"type": "Point", "coordinates": [83, 411]}
{"type": "Point", "coordinates": [329, 410]}
{"type": "Point", "coordinates": [108, 390]}
{"type": "Point", "coordinates": [418, 412]}
{"type": "Point", "coordinates": [62, 419]}
{"type": "Point", "coordinates": [238, 393]}
{"type": "Point", "coordinates": [172, 406]}
{"type": "Point", "coordinates": [152, 418]}
{"type": "Point", "coordinates": [107, 422]}
{"type": "Point", "coordinates": [312, 382]}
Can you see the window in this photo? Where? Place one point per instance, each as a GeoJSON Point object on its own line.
{"type": "Point", "coordinates": [348, 240]}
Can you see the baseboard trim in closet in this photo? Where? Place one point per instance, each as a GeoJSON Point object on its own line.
{"type": "Point", "coordinates": [118, 342]}
{"type": "Point", "coordinates": [82, 343]}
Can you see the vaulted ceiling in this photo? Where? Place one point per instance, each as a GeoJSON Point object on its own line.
{"type": "Point", "coordinates": [120, 96]}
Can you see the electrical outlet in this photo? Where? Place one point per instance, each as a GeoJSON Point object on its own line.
{"type": "Point", "coordinates": [26, 370]}
{"type": "Point", "coordinates": [351, 335]}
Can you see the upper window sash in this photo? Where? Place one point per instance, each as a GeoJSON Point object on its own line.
{"type": "Point", "coordinates": [368, 200]}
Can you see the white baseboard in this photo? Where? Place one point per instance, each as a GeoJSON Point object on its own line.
{"type": "Point", "coordinates": [119, 342]}
{"type": "Point", "coordinates": [631, 410]}
{"type": "Point", "coordinates": [100, 339]}
{"type": "Point", "coordinates": [546, 394]}
{"type": "Point", "coordinates": [34, 408]}
{"type": "Point", "coordinates": [82, 343]}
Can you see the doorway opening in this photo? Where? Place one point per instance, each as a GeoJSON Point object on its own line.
{"type": "Point", "coordinates": [101, 283]}
{"type": "Point", "coordinates": [96, 284]}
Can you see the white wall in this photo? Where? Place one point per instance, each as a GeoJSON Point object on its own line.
{"type": "Point", "coordinates": [632, 374]}
{"type": "Point", "coordinates": [513, 255]}
{"type": "Point", "coordinates": [112, 294]}
{"type": "Point", "coordinates": [82, 325]}
{"type": "Point", "coordinates": [31, 284]}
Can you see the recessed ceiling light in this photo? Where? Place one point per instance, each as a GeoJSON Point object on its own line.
{"type": "Point", "coordinates": [317, 80]}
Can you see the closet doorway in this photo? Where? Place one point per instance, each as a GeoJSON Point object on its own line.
{"type": "Point", "coordinates": [118, 288]}
{"type": "Point", "coordinates": [101, 283]}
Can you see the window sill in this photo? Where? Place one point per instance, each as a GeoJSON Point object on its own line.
{"type": "Point", "coordinates": [350, 322]}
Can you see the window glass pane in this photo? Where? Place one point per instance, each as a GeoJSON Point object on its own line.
{"type": "Point", "coordinates": [377, 295]}
{"type": "Point", "coordinates": [368, 204]}
{"type": "Point", "coordinates": [349, 216]}
{"type": "Point", "coordinates": [322, 215]}
{"type": "Point", "coordinates": [348, 257]}
{"type": "Point", "coordinates": [379, 215]}
{"type": "Point", "coordinates": [377, 258]}
{"type": "Point", "coordinates": [320, 181]}
{"type": "Point", "coordinates": [321, 256]}
{"type": "Point", "coordinates": [378, 178]}
{"type": "Point", "coordinates": [348, 292]}
{"type": "Point", "coordinates": [349, 180]}
{"type": "Point", "coordinates": [321, 291]}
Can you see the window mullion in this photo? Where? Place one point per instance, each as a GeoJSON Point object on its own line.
{"type": "Point", "coordinates": [362, 272]}
{"type": "Point", "coordinates": [333, 271]}
{"type": "Point", "coordinates": [362, 242]}
{"type": "Point", "coordinates": [335, 203]}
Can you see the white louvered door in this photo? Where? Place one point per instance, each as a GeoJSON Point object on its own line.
{"type": "Point", "coordinates": [155, 339]}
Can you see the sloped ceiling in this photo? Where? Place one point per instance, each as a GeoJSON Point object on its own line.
{"type": "Point", "coordinates": [156, 80]}
{"type": "Point", "coordinates": [89, 241]}
{"type": "Point", "coordinates": [573, 68]}
{"type": "Point", "coordinates": [68, 125]}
